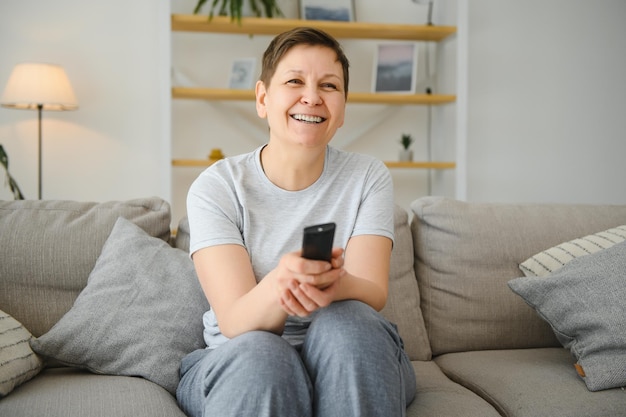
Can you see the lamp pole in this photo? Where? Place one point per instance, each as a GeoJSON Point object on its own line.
{"type": "Point", "coordinates": [39, 111]}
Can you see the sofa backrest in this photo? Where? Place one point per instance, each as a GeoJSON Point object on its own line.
{"type": "Point", "coordinates": [465, 253]}
{"type": "Point", "coordinates": [402, 307]}
{"type": "Point", "coordinates": [403, 302]}
{"type": "Point", "coordinates": [48, 249]}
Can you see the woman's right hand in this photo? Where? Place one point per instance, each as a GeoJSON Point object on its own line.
{"type": "Point", "coordinates": [305, 285]}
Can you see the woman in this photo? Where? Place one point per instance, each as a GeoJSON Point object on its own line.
{"type": "Point", "coordinates": [289, 336]}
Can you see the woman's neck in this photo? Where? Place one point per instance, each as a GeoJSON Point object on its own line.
{"type": "Point", "coordinates": [292, 170]}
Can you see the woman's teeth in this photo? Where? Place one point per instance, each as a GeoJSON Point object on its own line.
{"type": "Point", "coordinates": [307, 118]}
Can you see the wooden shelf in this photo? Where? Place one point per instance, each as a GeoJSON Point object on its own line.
{"type": "Point", "coordinates": [371, 98]}
{"type": "Point", "coordinates": [390, 164]}
{"type": "Point", "coordinates": [350, 30]}
{"type": "Point", "coordinates": [420, 165]}
{"type": "Point", "coordinates": [193, 162]}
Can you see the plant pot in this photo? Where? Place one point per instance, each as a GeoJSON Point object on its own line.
{"type": "Point", "coordinates": [405, 155]}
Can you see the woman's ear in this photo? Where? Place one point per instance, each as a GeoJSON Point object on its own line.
{"type": "Point", "coordinates": [261, 94]}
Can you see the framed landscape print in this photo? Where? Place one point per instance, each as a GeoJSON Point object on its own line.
{"type": "Point", "coordinates": [337, 10]}
{"type": "Point", "coordinates": [395, 68]}
{"type": "Point", "coordinates": [242, 74]}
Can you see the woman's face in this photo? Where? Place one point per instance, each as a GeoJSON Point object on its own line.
{"type": "Point", "coordinates": [305, 101]}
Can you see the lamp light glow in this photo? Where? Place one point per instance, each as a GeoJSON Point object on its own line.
{"type": "Point", "coordinates": [38, 86]}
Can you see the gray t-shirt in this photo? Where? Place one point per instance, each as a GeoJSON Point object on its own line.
{"type": "Point", "coordinates": [233, 202]}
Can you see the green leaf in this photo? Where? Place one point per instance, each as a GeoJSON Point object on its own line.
{"type": "Point", "coordinates": [15, 189]}
{"type": "Point", "coordinates": [4, 158]}
{"type": "Point", "coordinates": [199, 6]}
{"type": "Point", "coordinates": [234, 8]}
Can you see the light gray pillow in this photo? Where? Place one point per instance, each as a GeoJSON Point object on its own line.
{"type": "Point", "coordinates": [584, 303]}
{"type": "Point", "coordinates": [139, 315]}
{"type": "Point", "coordinates": [48, 248]}
{"type": "Point", "coordinates": [18, 363]}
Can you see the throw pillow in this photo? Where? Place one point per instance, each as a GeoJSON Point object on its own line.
{"type": "Point", "coordinates": [584, 304]}
{"type": "Point", "coordinates": [18, 363]}
{"type": "Point", "coordinates": [550, 260]}
{"type": "Point", "coordinates": [139, 315]}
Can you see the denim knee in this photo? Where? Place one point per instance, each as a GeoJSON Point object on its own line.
{"type": "Point", "coordinates": [264, 356]}
{"type": "Point", "coordinates": [351, 322]}
{"type": "Point", "coordinates": [356, 362]}
{"type": "Point", "coordinates": [261, 364]}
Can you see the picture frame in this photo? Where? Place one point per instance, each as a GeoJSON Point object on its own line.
{"type": "Point", "coordinates": [395, 68]}
{"type": "Point", "coordinates": [333, 10]}
{"type": "Point", "coordinates": [242, 74]}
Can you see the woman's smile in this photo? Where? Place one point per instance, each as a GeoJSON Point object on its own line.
{"type": "Point", "coordinates": [308, 118]}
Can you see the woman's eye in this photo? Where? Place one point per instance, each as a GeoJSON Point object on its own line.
{"type": "Point", "coordinates": [329, 86]}
{"type": "Point", "coordinates": [294, 81]}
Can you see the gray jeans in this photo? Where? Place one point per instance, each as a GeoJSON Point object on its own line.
{"type": "Point", "coordinates": [352, 363]}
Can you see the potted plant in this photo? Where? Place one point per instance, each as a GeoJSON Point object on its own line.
{"type": "Point", "coordinates": [406, 154]}
{"type": "Point", "coordinates": [235, 8]}
{"type": "Point", "coordinates": [15, 189]}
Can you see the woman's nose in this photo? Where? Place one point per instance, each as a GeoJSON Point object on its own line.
{"type": "Point", "coordinates": [311, 96]}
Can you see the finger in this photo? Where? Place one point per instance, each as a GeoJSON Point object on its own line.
{"type": "Point", "coordinates": [337, 258]}
{"type": "Point", "coordinates": [295, 265]}
{"type": "Point", "coordinates": [322, 281]}
{"type": "Point", "coordinates": [305, 301]}
{"type": "Point", "coordinates": [320, 297]}
{"type": "Point", "coordinates": [285, 302]}
{"type": "Point", "coordinates": [293, 302]}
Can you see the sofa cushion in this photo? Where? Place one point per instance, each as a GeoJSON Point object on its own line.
{"type": "Point", "coordinates": [68, 392]}
{"type": "Point", "coordinates": [531, 382]}
{"type": "Point", "coordinates": [467, 252]}
{"type": "Point", "coordinates": [438, 396]}
{"type": "Point", "coordinates": [402, 307]}
{"type": "Point", "coordinates": [403, 302]}
{"type": "Point", "coordinates": [550, 260]}
{"type": "Point", "coordinates": [584, 303]}
{"type": "Point", "coordinates": [18, 363]}
{"type": "Point", "coordinates": [182, 238]}
{"type": "Point", "coordinates": [48, 249]}
{"type": "Point", "coordinates": [139, 315]}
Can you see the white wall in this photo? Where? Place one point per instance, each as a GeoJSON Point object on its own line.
{"type": "Point", "coordinates": [547, 101]}
{"type": "Point", "coordinates": [116, 55]}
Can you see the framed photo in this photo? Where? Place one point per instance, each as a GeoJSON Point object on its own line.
{"type": "Point", "coordinates": [242, 74]}
{"type": "Point", "coordinates": [337, 10]}
{"type": "Point", "coordinates": [395, 68]}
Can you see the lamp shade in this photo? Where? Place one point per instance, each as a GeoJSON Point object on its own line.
{"type": "Point", "coordinates": [33, 84]}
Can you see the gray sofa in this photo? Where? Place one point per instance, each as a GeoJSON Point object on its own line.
{"type": "Point", "coordinates": [113, 305]}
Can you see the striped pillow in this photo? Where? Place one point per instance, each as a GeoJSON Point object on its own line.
{"type": "Point", "coordinates": [550, 260]}
{"type": "Point", "coordinates": [18, 363]}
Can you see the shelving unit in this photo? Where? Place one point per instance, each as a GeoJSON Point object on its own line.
{"type": "Point", "coordinates": [350, 30]}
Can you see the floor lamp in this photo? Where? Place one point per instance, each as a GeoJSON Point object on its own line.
{"type": "Point", "coordinates": [34, 86]}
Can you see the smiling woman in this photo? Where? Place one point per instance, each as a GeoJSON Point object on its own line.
{"type": "Point", "coordinates": [274, 312]}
